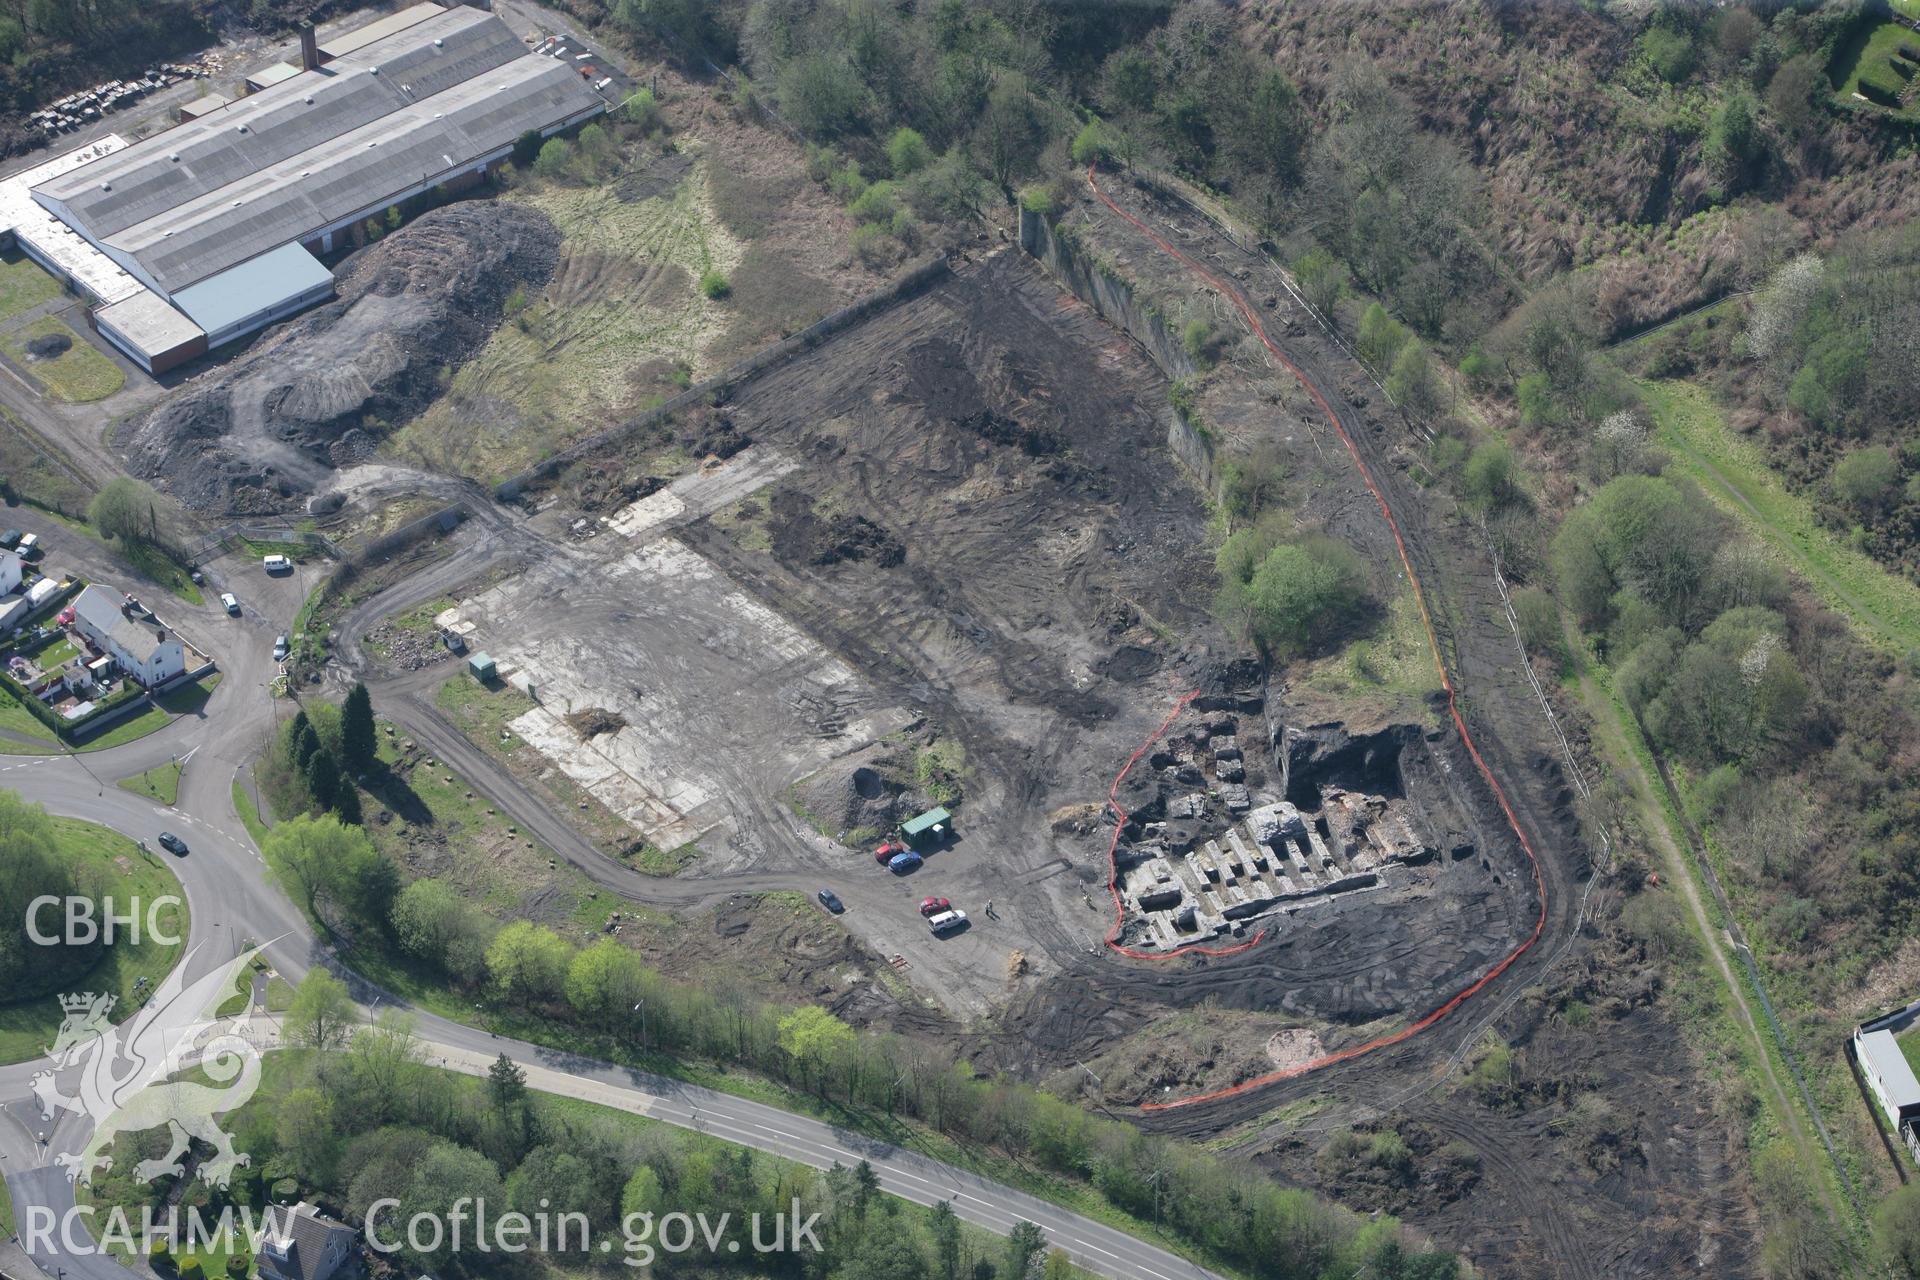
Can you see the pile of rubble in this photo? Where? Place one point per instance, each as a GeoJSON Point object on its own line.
{"type": "Point", "coordinates": [78, 110]}
{"type": "Point", "coordinates": [408, 650]}
{"type": "Point", "coordinates": [261, 431]}
{"type": "Point", "coordinates": [1199, 854]}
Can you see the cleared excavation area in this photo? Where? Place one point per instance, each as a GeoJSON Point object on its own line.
{"type": "Point", "coordinates": [948, 557]}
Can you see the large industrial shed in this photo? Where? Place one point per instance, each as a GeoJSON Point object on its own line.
{"type": "Point", "coordinates": [220, 218]}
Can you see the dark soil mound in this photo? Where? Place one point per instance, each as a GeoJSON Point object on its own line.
{"type": "Point", "coordinates": [720, 440]}
{"type": "Point", "coordinates": [802, 537]}
{"type": "Point", "coordinates": [319, 391]}
{"type": "Point", "coordinates": [601, 490]}
{"type": "Point", "coordinates": [49, 346]}
{"type": "Point", "coordinates": [591, 722]}
{"type": "Point", "coordinates": [1129, 662]}
{"type": "Point", "coordinates": [1034, 441]}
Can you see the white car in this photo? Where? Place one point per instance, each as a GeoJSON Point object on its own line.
{"type": "Point", "coordinates": [230, 603]}
{"type": "Point", "coordinates": [276, 564]}
{"type": "Point", "coordinates": [946, 921]}
{"type": "Point", "coordinates": [280, 649]}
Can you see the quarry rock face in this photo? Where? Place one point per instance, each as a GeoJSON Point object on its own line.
{"type": "Point", "coordinates": [263, 431]}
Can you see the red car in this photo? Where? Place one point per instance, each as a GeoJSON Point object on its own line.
{"type": "Point", "coordinates": [888, 851]}
{"type": "Point", "coordinates": [934, 906]}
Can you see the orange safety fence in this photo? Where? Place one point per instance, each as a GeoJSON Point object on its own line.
{"type": "Point", "coordinates": [1453, 709]}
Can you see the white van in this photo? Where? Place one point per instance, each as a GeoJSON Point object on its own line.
{"type": "Point", "coordinates": [277, 564]}
{"type": "Point", "coordinates": [946, 920]}
{"type": "Point", "coordinates": [27, 544]}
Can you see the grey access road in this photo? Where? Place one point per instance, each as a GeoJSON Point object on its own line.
{"type": "Point", "coordinates": [233, 906]}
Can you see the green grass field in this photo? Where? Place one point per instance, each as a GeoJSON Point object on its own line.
{"type": "Point", "coordinates": [179, 702]}
{"type": "Point", "coordinates": [16, 719]}
{"type": "Point", "coordinates": [1883, 607]}
{"type": "Point", "coordinates": [27, 1029]}
{"type": "Point", "coordinates": [566, 361]}
{"type": "Point", "coordinates": [23, 284]}
{"type": "Point", "coordinates": [77, 375]}
{"type": "Point", "coordinates": [162, 783]}
{"type": "Point", "coordinates": [1873, 72]}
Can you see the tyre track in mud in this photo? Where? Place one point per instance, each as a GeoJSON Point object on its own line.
{"type": "Point", "coordinates": [1540, 1212]}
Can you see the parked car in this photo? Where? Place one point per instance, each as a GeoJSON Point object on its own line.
{"type": "Point", "coordinates": [901, 863]}
{"type": "Point", "coordinates": [10, 539]}
{"type": "Point", "coordinates": [934, 906]}
{"type": "Point", "coordinates": [946, 921]}
{"type": "Point", "coordinates": [276, 564]}
{"type": "Point", "coordinates": [172, 843]}
{"type": "Point", "coordinates": [29, 543]}
{"type": "Point", "coordinates": [281, 649]}
{"type": "Point", "coordinates": [888, 851]}
{"type": "Point", "coordinates": [831, 901]}
{"type": "Point", "coordinates": [230, 602]}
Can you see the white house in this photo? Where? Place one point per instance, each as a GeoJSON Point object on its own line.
{"type": "Point", "coordinates": [301, 1243]}
{"type": "Point", "coordinates": [13, 612]}
{"type": "Point", "coordinates": [9, 572]}
{"type": "Point", "coordinates": [147, 652]}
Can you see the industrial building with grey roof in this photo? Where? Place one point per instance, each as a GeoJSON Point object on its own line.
{"type": "Point", "coordinates": [221, 217]}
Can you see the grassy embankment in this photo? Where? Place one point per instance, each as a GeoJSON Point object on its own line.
{"type": "Point", "coordinates": [78, 375]}
{"type": "Point", "coordinates": [1883, 607]}
{"type": "Point", "coordinates": [27, 1029]}
{"type": "Point", "coordinates": [162, 782]}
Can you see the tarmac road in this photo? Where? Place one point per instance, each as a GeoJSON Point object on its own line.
{"type": "Point", "coordinates": [233, 906]}
{"type": "Point", "coordinates": [907, 1174]}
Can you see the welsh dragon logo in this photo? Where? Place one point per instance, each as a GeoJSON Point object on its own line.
{"type": "Point", "coordinates": [126, 1078]}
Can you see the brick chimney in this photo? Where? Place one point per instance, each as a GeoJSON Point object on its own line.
{"type": "Point", "coordinates": [309, 48]}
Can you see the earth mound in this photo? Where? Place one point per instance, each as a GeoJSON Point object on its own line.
{"type": "Point", "coordinates": [268, 428]}
{"type": "Point", "coordinates": [49, 346]}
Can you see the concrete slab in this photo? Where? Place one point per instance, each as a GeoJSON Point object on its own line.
{"type": "Point", "coordinates": [701, 493]}
{"type": "Point", "coordinates": [725, 702]}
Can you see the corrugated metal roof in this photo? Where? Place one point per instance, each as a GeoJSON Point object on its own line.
{"type": "Point", "coordinates": [321, 147]}
{"type": "Point", "coordinates": [1881, 1052]}
{"type": "Point", "coordinates": [205, 105]}
{"type": "Point", "coordinates": [260, 284]}
{"type": "Point", "coordinates": [379, 29]}
{"type": "Point", "coordinates": [167, 170]}
{"type": "Point", "coordinates": [279, 72]}
{"type": "Point", "coordinates": [926, 821]}
{"type": "Point", "coordinates": [357, 170]}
